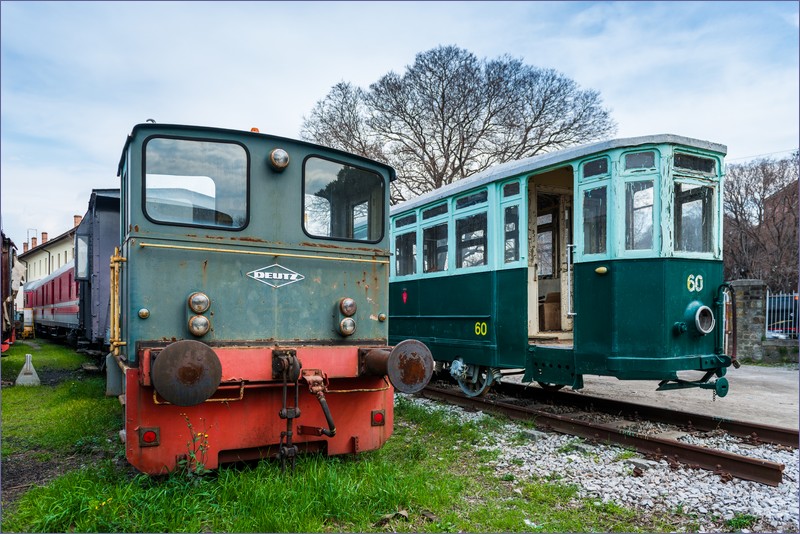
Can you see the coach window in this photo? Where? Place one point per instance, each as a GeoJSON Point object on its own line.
{"type": "Point", "coordinates": [471, 241]}
{"type": "Point", "coordinates": [640, 161]}
{"type": "Point", "coordinates": [341, 201]}
{"type": "Point", "coordinates": [196, 182]}
{"type": "Point", "coordinates": [595, 220]}
{"type": "Point", "coordinates": [639, 215]}
{"type": "Point", "coordinates": [405, 251]}
{"type": "Point", "coordinates": [511, 234]}
{"type": "Point", "coordinates": [596, 167]}
{"type": "Point", "coordinates": [434, 248]}
{"type": "Point", "coordinates": [694, 217]}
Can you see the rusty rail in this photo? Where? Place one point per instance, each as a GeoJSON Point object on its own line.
{"type": "Point", "coordinates": [755, 432]}
{"type": "Point", "coordinates": [722, 462]}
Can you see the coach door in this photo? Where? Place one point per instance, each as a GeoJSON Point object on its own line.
{"type": "Point", "coordinates": [549, 239]}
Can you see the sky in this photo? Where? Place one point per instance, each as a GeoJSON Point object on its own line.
{"type": "Point", "coordinates": [75, 77]}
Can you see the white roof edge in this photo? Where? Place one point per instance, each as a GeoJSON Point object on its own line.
{"type": "Point", "coordinates": [526, 165]}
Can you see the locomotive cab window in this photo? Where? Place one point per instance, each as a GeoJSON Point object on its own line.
{"type": "Point", "coordinates": [198, 183]}
{"type": "Point", "coordinates": [341, 201]}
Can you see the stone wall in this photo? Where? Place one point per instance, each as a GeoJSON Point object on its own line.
{"type": "Point", "coordinates": [751, 310]}
{"type": "Point", "coordinates": [780, 351]}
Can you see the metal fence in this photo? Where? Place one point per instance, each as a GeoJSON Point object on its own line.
{"type": "Point", "coordinates": [782, 317]}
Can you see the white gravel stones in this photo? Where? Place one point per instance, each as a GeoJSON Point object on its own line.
{"type": "Point", "coordinates": [609, 473]}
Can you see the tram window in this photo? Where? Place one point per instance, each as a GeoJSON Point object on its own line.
{"type": "Point", "coordinates": [195, 182]}
{"type": "Point", "coordinates": [341, 201]}
{"type": "Point", "coordinates": [511, 233]}
{"type": "Point", "coordinates": [694, 218]}
{"type": "Point", "coordinates": [594, 221]}
{"type": "Point", "coordinates": [406, 254]}
{"type": "Point", "coordinates": [639, 215]}
{"type": "Point", "coordinates": [509, 190]}
{"type": "Point", "coordinates": [695, 163]}
{"type": "Point", "coordinates": [640, 160]}
{"type": "Point", "coordinates": [405, 221]}
{"type": "Point", "coordinates": [434, 248]}
{"type": "Point", "coordinates": [433, 212]}
{"type": "Point", "coordinates": [595, 167]}
{"type": "Point", "coordinates": [471, 241]}
{"type": "Point", "coordinates": [471, 200]}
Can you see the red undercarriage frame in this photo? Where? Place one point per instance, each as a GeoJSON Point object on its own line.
{"type": "Point", "coordinates": [241, 420]}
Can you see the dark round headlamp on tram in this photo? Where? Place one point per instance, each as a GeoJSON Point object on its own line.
{"type": "Point", "coordinates": [347, 306]}
{"type": "Point", "coordinates": [199, 302]}
{"type": "Point", "coordinates": [279, 159]}
{"type": "Point", "coordinates": [704, 320]}
{"type": "Point", "coordinates": [199, 325]}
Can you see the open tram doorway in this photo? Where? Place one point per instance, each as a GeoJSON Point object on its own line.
{"type": "Point", "coordinates": [550, 236]}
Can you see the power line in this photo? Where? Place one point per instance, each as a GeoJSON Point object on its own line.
{"type": "Point", "coordinates": [790, 150]}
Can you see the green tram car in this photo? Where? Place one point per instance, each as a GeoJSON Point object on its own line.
{"type": "Point", "coordinates": [602, 259]}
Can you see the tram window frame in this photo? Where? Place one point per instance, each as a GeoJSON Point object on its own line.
{"type": "Point", "coordinates": [511, 235]}
{"type": "Point", "coordinates": [696, 158]}
{"type": "Point", "coordinates": [629, 239]}
{"type": "Point", "coordinates": [435, 260]}
{"type": "Point", "coordinates": [630, 169]}
{"type": "Point", "coordinates": [707, 193]}
{"type": "Point", "coordinates": [476, 225]}
{"type": "Point", "coordinates": [604, 242]}
{"type": "Point", "coordinates": [598, 175]}
{"type": "Point", "coordinates": [405, 249]}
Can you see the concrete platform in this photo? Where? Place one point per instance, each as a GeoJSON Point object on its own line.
{"type": "Point", "coordinates": [766, 395]}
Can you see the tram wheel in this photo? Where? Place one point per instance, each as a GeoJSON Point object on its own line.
{"type": "Point", "coordinates": [481, 385]}
{"type": "Point", "coordinates": [550, 387]}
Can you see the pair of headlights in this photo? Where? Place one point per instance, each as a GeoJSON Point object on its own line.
{"type": "Point", "coordinates": [199, 303]}
{"type": "Point", "coordinates": [199, 324]}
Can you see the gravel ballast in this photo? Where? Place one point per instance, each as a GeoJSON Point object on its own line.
{"type": "Point", "coordinates": [609, 473]}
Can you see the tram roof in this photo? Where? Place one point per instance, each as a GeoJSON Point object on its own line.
{"type": "Point", "coordinates": [535, 163]}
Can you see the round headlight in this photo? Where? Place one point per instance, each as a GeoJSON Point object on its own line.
{"type": "Point", "coordinates": [347, 327]}
{"type": "Point", "coordinates": [199, 325]}
{"type": "Point", "coordinates": [704, 320]}
{"type": "Point", "coordinates": [347, 306]}
{"type": "Point", "coordinates": [199, 302]}
{"type": "Point", "coordinates": [279, 159]}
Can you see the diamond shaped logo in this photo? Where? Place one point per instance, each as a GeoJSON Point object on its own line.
{"type": "Point", "coordinates": [275, 275]}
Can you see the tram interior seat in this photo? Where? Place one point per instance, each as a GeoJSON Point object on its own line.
{"type": "Point", "coordinates": [550, 312]}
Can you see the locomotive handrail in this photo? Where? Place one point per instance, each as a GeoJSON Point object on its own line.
{"type": "Point", "coordinates": [115, 341]}
{"type": "Point", "coordinates": [259, 253]}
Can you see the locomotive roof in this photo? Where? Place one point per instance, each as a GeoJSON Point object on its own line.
{"type": "Point", "coordinates": [188, 128]}
{"type": "Point", "coordinates": [534, 163]}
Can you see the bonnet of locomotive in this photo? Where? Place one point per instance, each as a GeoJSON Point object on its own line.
{"type": "Point", "coordinates": [648, 265]}
{"type": "Point", "coordinates": [254, 239]}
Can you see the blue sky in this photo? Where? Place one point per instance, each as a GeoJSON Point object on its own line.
{"type": "Point", "coordinates": [76, 76]}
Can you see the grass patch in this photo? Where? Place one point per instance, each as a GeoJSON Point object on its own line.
{"type": "Point", "coordinates": [70, 417]}
{"type": "Point", "coordinates": [431, 476]}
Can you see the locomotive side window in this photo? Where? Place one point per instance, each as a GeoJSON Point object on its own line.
{"type": "Point", "coordinates": [639, 215]}
{"type": "Point", "coordinates": [341, 201]}
{"type": "Point", "coordinates": [594, 220]}
{"type": "Point", "coordinates": [694, 217]}
{"type": "Point", "coordinates": [199, 183]}
{"type": "Point", "coordinates": [511, 233]}
{"type": "Point", "coordinates": [471, 241]}
{"type": "Point", "coordinates": [434, 248]}
{"type": "Point", "coordinates": [406, 254]}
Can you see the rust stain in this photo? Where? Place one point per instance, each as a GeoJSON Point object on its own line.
{"type": "Point", "coordinates": [412, 369]}
{"type": "Point", "coordinates": [189, 374]}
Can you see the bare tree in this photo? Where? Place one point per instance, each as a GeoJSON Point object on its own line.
{"type": "Point", "coordinates": [451, 115]}
{"type": "Point", "coordinates": [761, 222]}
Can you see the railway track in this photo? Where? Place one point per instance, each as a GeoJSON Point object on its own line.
{"type": "Point", "coordinates": [615, 427]}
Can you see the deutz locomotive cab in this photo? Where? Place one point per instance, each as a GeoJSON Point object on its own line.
{"type": "Point", "coordinates": [246, 297]}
